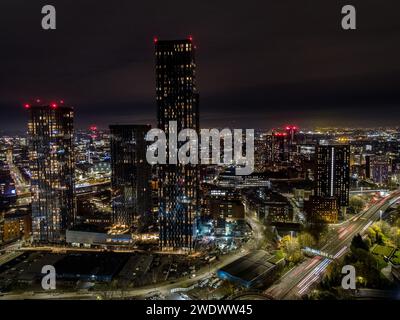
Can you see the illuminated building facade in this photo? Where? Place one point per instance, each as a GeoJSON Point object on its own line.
{"type": "Point", "coordinates": [333, 173]}
{"type": "Point", "coordinates": [51, 162]}
{"type": "Point", "coordinates": [279, 147]}
{"type": "Point", "coordinates": [130, 174]}
{"type": "Point", "coordinates": [381, 169]}
{"type": "Point", "coordinates": [17, 225]}
{"type": "Point", "coordinates": [177, 100]}
{"type": "Point", "coordinates": [282, 145]}
{"type": "Point", "coordinates": [321, 209]}
{"type": "Point", "coordinates": [260, 153]}
{"type": "Point", "coordinates": [291, 134]}
{"type": "Point", "coordinates": [228, 210]}
{"type": "Point", "coordinates": [270, 207]}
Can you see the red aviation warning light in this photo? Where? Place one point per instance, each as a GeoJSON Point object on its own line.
{"type": "Point", "coordinates": [190, 38]}
{"type": "Point", "coordinates": [291, 127]}
{"type": "Point", "coordinates": [53, 105]}
{"type": "Point", "coordinates": [93, 131]}
{"type": "Point", "coordinates": [155, 39]}
{"type": "Point", "coordinates": [27, 105]}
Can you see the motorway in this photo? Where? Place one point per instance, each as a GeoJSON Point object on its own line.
{"type": "Point", "coordinates": [295, 283]}
{"type": "Point", "coordinates": [299, 280]}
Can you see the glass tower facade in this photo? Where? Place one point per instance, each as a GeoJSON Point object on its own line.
{"type": "Point", "coordinates": [51, 161]}
{"type": "Point", "coordinates": [333, 172]}
{"type": "Point", "coordinates": [131, 174]}
{"type": "Point", "coordinates": [177, 100]}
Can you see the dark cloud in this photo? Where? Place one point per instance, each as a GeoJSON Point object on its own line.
{"type": "Point", "coordinates": [260, 63]}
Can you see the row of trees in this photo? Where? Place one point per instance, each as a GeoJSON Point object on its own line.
{"type": "Point", "coordinates": [356, 204]}
{"type": "Point", "coordinates": [367, 268]}
{"type": "Point", "coordinates": [383, 233]}
{"type": "Point", "coordinates": [291, 246]}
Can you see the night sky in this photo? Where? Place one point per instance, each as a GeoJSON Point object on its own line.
{"type": "Point", "coordinates": [261, 64]}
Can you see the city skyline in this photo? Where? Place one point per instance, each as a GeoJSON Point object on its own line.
{"type": "Point", "coordinates": [306, 71]}
{"type": "Point", "coordinates": [210, 152]}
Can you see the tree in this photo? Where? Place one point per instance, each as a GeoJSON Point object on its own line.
{"type": "Point", "coordinates": [291, 248]}
{"type": "Point", "coordinates": [333, 276]}
{"type": "Point", "coordinates": [378, 232]}
{"type": "Point", "coordinates": [383, 226]}
{"type": "Point", "coordinates": [371, 235]}
{"type": "Point", "coordinates": [382, 232]}
{"type": "Point", "coordinates": [367, 267]}
{"type": "Point", "coordinates": [396, 223]}
{"type": "Point", "coordinates": [306, 239]}
{"type": "Point", "coordinates": [317, 230]}
{"type": "Point", "coordinates": [368, 242]}
{"type": "Point", "coordinates": [394, 236]}
{"type": "Point", "coordinates": [358, 243]}
{"type": "Point", "coordinates": [356, 204]}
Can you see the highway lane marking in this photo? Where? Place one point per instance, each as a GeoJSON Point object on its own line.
{"type": "Point", "coordinates": [366, 226]}
{"type": "Point", "coordinates": [373, 209]}
{"type": "Point", "coordinates": [341, 251]}
{"type": "Point", "coordinates": [315, 271]}
{"type": "Point", "coordinates": [313, 261]}
{"type": "Point", "coordinates": [316, 277]}
{"type": "Point", "coordinates": [301, 291]}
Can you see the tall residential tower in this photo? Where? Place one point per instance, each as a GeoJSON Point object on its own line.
{"type": "Point", "coordinates": [51, 160]}
{"type": "Point", "coordinates": [333, 172]}
{"type": "Point", "coordinates": [131, 174]}
{"type": "Point", "coordinates": [177, 100]}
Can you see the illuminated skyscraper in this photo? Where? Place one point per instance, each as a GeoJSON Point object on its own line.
{"type": "Point", "coordinates": [177, 100]}
{"type": "Point", "coordinates": [381, 168]}
{"type": "Point", "coordinates": [51, 159]}
{"type": "Point", "coordinates": [260, 152]}
{"type": "Point", "coordinates": [333, 172]}
{"type": "Point", "coordinates": [131, 174]}
{"type": "Point", "coordinates": [291, 132]}
{"type": "Point", "coordinates": [279, 150]}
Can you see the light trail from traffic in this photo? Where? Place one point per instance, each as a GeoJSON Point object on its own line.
{"type": "Point", "coordinates": [337, 245]}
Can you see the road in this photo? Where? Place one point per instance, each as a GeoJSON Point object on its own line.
{"type": "Point", "coordinates": [258, 232]}
{"type": "Point", "coordinates": [295, 283]}
{"type": "Point", "coordinates": [162, 288]}
{"type": "Point", "coordinates": [140, 292]}
{"type": "Point", "coordinates": [299, 280]}
{"type": "Point", "coordinates": [298, 216]}
{"type": "Point", "coordinates": [22, 186]}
